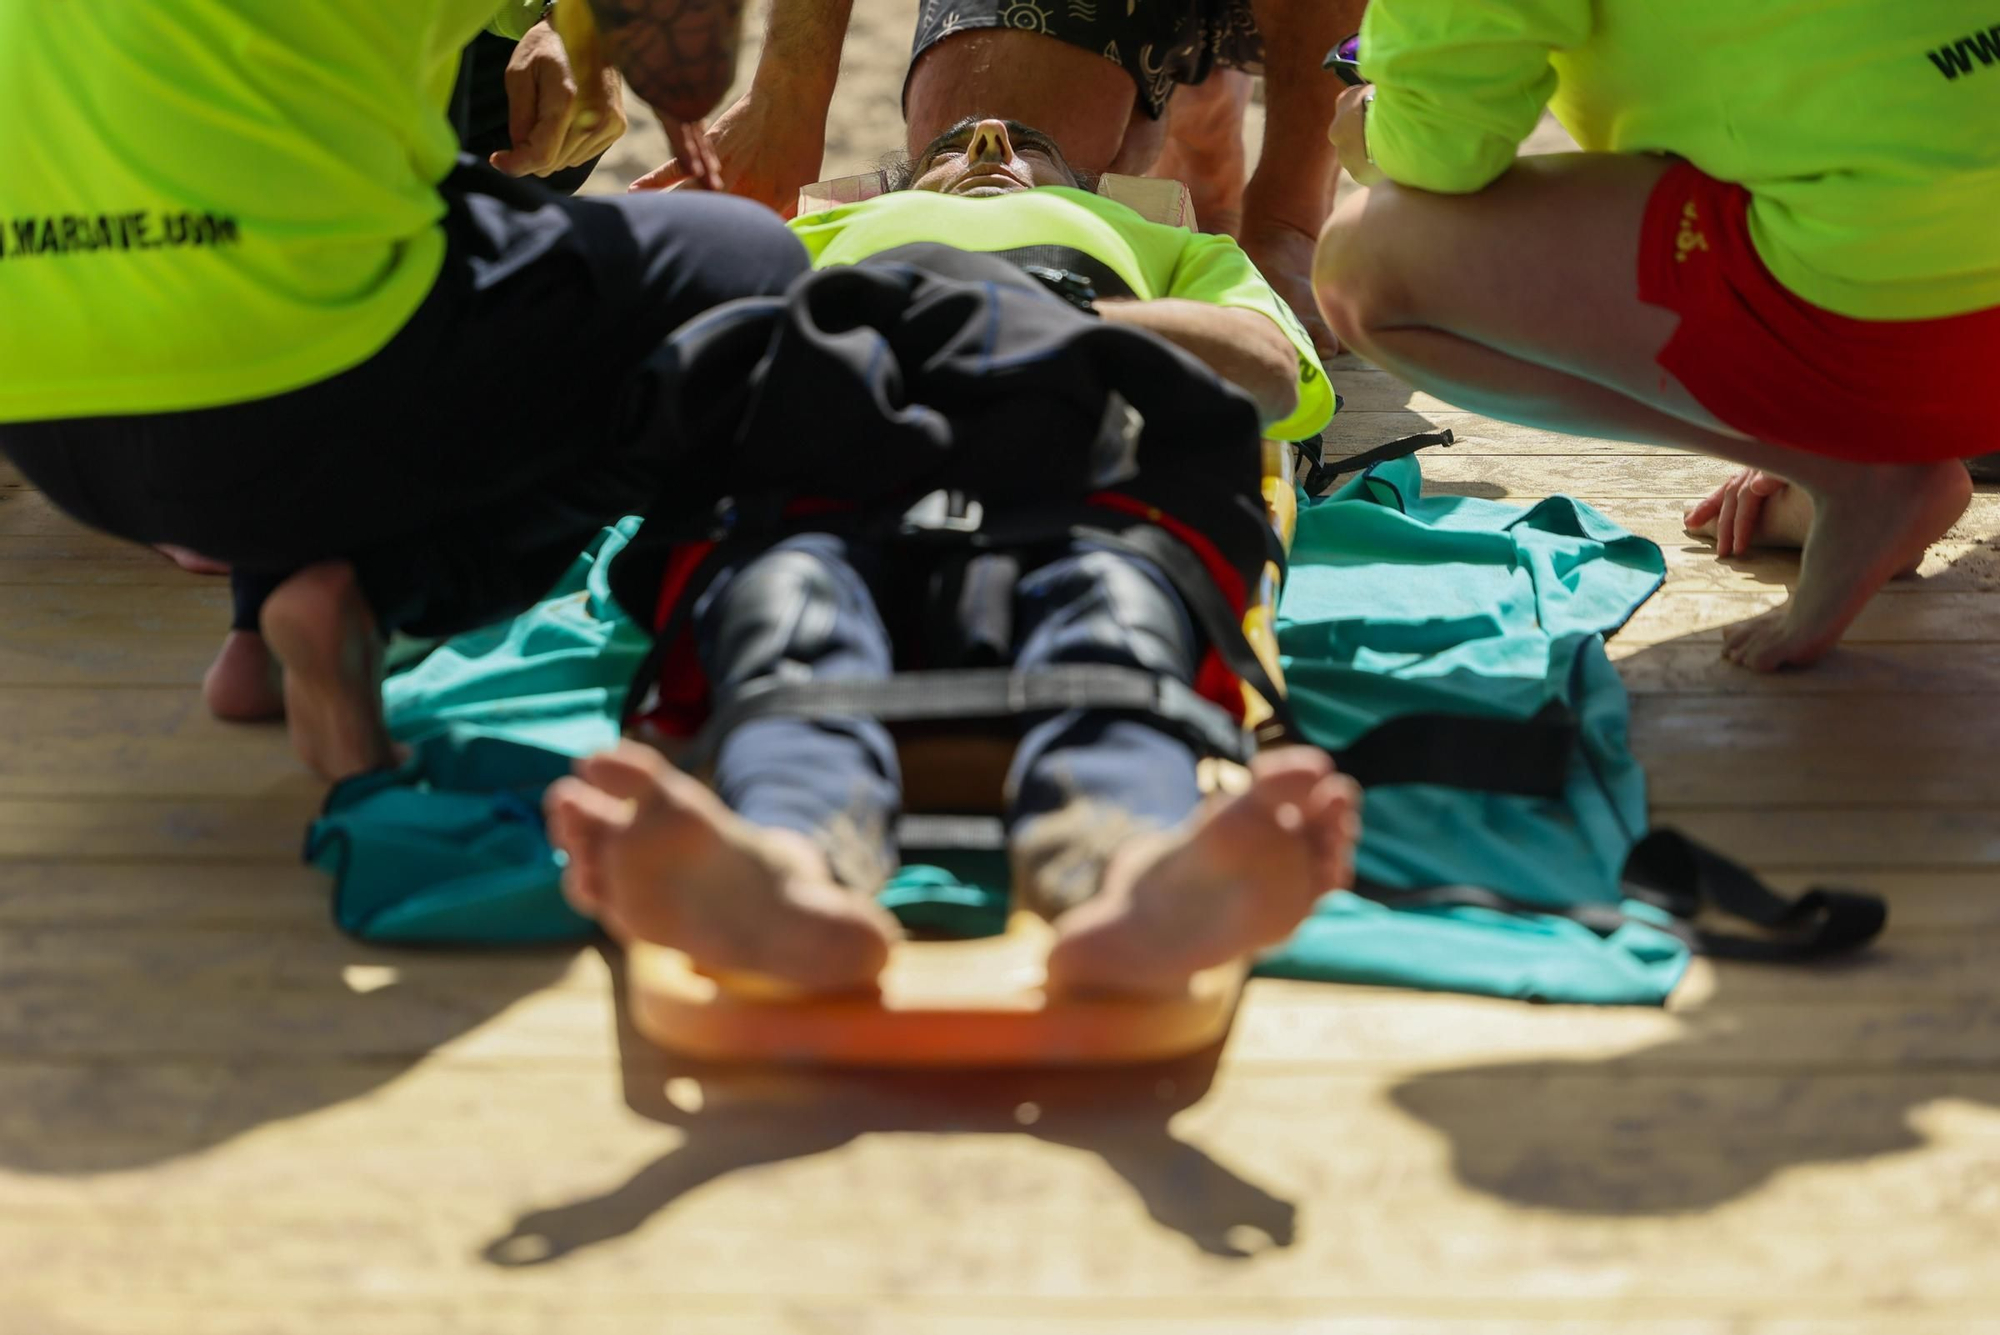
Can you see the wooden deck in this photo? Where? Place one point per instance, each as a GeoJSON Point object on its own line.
{"type": "Point", "coordinates": [219, 1117]}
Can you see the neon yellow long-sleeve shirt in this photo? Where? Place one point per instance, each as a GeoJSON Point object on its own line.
{"type": "Point", "coordinates": [211, 201]}
{"type": "Point", "coordinates": [1867, 131]}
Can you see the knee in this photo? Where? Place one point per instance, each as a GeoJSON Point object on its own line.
{"type": "Point", "coordinates": [1110, 609]}
{"type": "Point", "coordinates": [745, 250]}
{"type": "Point", "coordinates": [1358, 264]}
{"type": "Point", "coordinates": [783, 609]}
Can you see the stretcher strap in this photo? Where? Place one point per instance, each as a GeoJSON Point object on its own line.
{"type": "Point", "coordinates": [1211, 611]}
{"type": "Point", "coordinates": [1321, 472]}
{"type": "Point", "coordinates": [1603, 919]}
{"type": "Point", "coordinates": [1521, 757]}
{"type": "Point", "coordinates": [1524, 757]}
{"type": "Point", "coordinates": [969, 694]}
{"type": "Point", "coordinates": [1672, 872]}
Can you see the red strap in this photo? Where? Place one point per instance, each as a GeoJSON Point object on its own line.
{"type": "Point", "coordinates": [1219, 570]}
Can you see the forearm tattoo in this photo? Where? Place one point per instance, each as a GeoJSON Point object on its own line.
{"type": "Point", "coordinates": [680, 55]}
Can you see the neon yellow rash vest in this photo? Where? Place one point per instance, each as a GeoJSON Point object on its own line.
{"type": "Point", "coordinates": [1867, 131]}
{"type": "Point", "coordinates": [206, 202]}
{"type": "Point", "coordinates": [1154, 259]}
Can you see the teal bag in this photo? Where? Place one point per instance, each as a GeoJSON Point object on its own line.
{"type": "Point", "coordinates": [1395, 604]}
{"type": "Point", "coordinates": [1399, 603]}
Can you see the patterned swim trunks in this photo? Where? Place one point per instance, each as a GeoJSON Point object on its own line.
{"type": "Point", "coordinates": [1158, 42]}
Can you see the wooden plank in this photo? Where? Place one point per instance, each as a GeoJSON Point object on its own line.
{"type": "Point", "coordinates": [614, 1314]}
{"type": "Point", "coordinates": [1353, 431]}
{"type": "Point", "coordinates": [153, 658]}
{"type": "Point", "coordinates": [213, 830]}
{"type": "Point", "coordinates": [1601, 479]}
{"type": "Point", "coordinates": [1770, 748]}
{"type": "Point", "coordinates": [264, 896]}
{"type": "Point", "coordinates": [24, 511]}
{"type": "Point", "coordinates": [1699, 616]}
{"type": "Point", "coordinates": [230, 958]}
{"type": "Point", "coordinates": [421, 1248]}
{"type": "Point", "coordinates": [1861, 673]}
{"type": "Point", "coordinates": [81, 546]}
{"type": "Point", "coordinates": [1290, 1026]}
{"type": "Point", "coordinates": [193, 606]}
{"type": "Point", "coordinates": [1861, 838]}
{"type": "Point", "coordinates": [140, 742]}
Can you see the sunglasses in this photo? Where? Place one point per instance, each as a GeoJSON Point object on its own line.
{"type": "Point", "coordinates": [1345, 60]}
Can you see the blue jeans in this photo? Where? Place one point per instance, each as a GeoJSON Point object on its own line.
{"type": "Point", "coordinates": [811, 607]}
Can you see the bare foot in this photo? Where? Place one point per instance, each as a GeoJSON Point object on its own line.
{"type": "Point", "coordinates": [190, 560]}
{"type": "Point", "coordinates": [1284, 255]}
{"type": "Point", "coordinates": [1204, 148]}
{"type": "Point", "coordinates": [1878, 524]}
{"type": "Point", "coordinates": [1238, 876]}
{"type": "Point", "coordinates": [243, 684]}
{"type": "Point", "coordinates": [655, 856]}
{"type": "Point", "coordinates": [324, 635]}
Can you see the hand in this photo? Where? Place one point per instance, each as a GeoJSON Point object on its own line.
{"type": "Point", "coordinates": [1752, 509]}
{"type": "Point", "coordinates": [554, 124]}
{"type": "Point", "coordinates": [766, 147]}
{"type": "Point", "coordinates": [1349, 133]}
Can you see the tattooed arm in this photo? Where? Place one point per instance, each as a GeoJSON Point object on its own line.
{"type": "Point", "coordinates": [680, 55]}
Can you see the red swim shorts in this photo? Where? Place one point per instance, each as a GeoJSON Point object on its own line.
{"type": "Point", "coordinates": [1780, 369]}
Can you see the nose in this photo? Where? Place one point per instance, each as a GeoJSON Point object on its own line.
{"type": "Point", "coordinates": [990, 143]}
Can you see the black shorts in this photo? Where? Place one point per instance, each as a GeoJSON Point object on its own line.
{"type": "Point", "coordinates": [463, 466]}
{"type": "Point", "coordinates": [1159, 43]}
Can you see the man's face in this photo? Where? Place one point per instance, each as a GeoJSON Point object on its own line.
{"type": "Point", "coordinates": [990, 157]}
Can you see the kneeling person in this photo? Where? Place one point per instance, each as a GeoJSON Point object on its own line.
{"type": "Point", "coordinates": [771, 866]}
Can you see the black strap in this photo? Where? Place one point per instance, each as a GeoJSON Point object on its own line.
{"type": "Point", "coordinates": [1603, 919]}
{"type": "Point", "coordinates": [967, 694]}
{"type": "Point", "coordinates": [1522, 757]}
{"type": "Point", "coordinates": [1321, 472]}
{"type": "Point", "coordinates": [1211, 611]}
{"type": "Point", "coordinates": [1525, 757]}
{"type": "Point", "coordinates": [1673, 872]}
{"type": "Point", "coordinates": [1104, 280]}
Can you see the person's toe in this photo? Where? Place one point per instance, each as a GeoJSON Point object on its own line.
{"type": "Point", "coordinates": [630, 770]}
{"type": "Point", "coordinates": [1290, 764]}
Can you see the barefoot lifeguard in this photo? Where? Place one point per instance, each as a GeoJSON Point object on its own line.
{"type": "Point", "coordinates": [1784, 310]}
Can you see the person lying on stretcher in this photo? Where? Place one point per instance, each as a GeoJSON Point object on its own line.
{"type": "Point", "coordinates": [770, 866]}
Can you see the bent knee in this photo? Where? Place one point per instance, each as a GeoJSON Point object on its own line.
{"type": "Point", "coordinates": [747, 250]}
{"type": "Point", "coordinates": [1360, 263]}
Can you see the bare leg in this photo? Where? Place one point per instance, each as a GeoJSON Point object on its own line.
{"type": "Point", "coordinates": [244, 684]}
{"type": "Point", "coordinates": [1204, 149]}
{"type": "Point", "coordinates": [1518, 302]}
{"type": "Point", "coordinates": [1289, 198]}
{"type": "Point", "coordinates": [325, 637]}
{"type": "Point", "coordinates": [1240, 875]}
{"type": "Point", "coordinates": [655, 856]}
